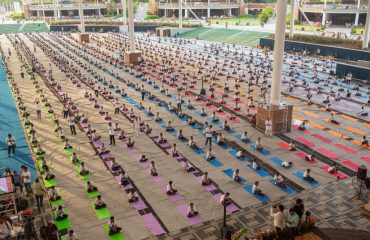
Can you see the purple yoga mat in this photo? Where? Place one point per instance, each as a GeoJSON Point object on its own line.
{"type": "Point", "coordinates": [164, 145]}
{"type": "Point", "coordinates": [143, 164]}
{"type": "Point", "coordinates": [118, 180]}
{"type": "Point", "coordinates": [132, 149]}
{"type": "Point", "coordinates": [106, 156]}
{"type": "Point", "coordinates": [158, 178]}
{"type": "Point", "coordinates": [84, 125]}
{"type": "Point", "coordinates": [139, 204]}
{"type": "Point", "coordinates": [97, 143]}
{"type": "Point", "coordinates": [230, 208]}
{"type": "Point", "coordinates": [183, 209]}
{"type": "Point", "coordinates": [172, 198]}
{"type": "Point", "coordinates": [209, 187]}
{"type": "Point", "coordinates": [152, 224]}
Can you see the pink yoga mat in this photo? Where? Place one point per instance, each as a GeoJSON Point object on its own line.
{"type": "Point", "coordinates": [106, 156]}
{"type": "Point", "coordinates": [152, 224]}
{"type": "Point", "coordinates": [183, 209]}
{"type": "Point", "coordinates": [209, 187]}
{"type": "Point", "coordinates": [304, 141]}
{"type": "Point", "coordinates": [328, 153]}
{"type": "Point", "coordinates": [143, 164]}
{"type": "Point", "coordinates": [230, 208]}
{"type": "Point", "coordinates": [235, 120]}
{"type": "Point", "coordinates": [139, 204]}
{"type": "Point", "coordinates": [321, 138]}
{"type": "Point", "coordinates": [297, 128]}
{"type": "Point", "coordinates": [366, 158]}
{"type": "Point", "coordinates": [158, 178]}
{"type": "Point", "coordinates": [283, 145]}
{"type": "Point", "coordinates": [345, 148]}
{"type": "Point", "coordinates": [173, 198]}
{"type": "Point", "coordinates": [97, 143]}
{"type": "Point", "coordinates": [301, 155]}
{"type": "Point", "coordinates": [131, 149]}
{"type": "Point", "coordinates": [336, 174]}
{"type": "Point", "coordinates": [350, 164]}
{"type": "Point", "coordinates": [84, 125]}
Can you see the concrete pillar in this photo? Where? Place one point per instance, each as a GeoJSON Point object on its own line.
{"type": "Point", "coordinates": [43, 10]}
{"type": "Point", "coordinates": [55, 11]}
{"type": "Point", "coordinates": [82, 18]}
{"type": "Point", "coordinates": [229, 12]}
{"type": "Point", "coordinates": [292, 17]}
{"type": "Point", "coordinates": [323, 22]}
{"type": "Point", "coordinates": [357, 14]}
{"type": "Point", "coordinates": [281, 9]}
{"type": "Point", "coordinates": [209, 9]}
{"type": "Point", "coordinates": [124, 16]}
{"type": "Point", "coordinates": [180, 13]}
{"type": "Point", "coordinates": [165, 12]}
{"type": "Point", "coordinates": [365, 43]}
{"type": "Point", "coordinates": [186, 13]}
{"type": "Point", "coordinates": [131, 31]}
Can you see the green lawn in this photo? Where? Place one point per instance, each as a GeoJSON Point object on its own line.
{"type": "Point", "coordinates": [28, 27]}
{"type": "Point", "coordinates": [9, 28]}
{"type": "Point", "coordinates": [241, 21]}
{"type": "Point", "coordinates": [240, 37]}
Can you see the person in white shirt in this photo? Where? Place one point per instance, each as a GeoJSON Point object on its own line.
{"type": "Point", "coordinates": [26, 179]}
{"type": "Point", "coordinates": [226, 126]}
{"type": "Point", "coordinates": [286, 164]}
{"type": "Point", "coordinates": [310, 157]}
{"type": "Point", "coordinates": [191, 211]}
{"type": "Point", "coordinates": [333, 168]}
{"type": "Point", "coordinates": [292, 146]}
{"type": "Point", "coordinates": [174, 151]}
{"type": "Point", "coordinates": [209, 136]}
{"type": "Point", "coordinates": [192, 144]}
{"type": "Point", "coordinates": [255, 165]}
{"type": "Point", "coordinates": [180, 136]}
{"type": "Point", "coordinates": [38, 108]}
{"type": "Point", "coordinates": [202, 112]}
{"type": "Point", "coordinates": [169, 126]}
{"type": "Point", "coordinates": [259, 145]}
{"type": "Point", "coordinates": [307, 176]}
{"type": "Point", "coordinates": [117, 106]}
{"type": "Point", "coordinates": [302, 126]}
{"type": "Point", "coordinates": [236, 176]}
{"type": "Point", "coordinates": [279, 217]}
{"type": "Point", "coordinates": [245, 137]}
{"type": "Point", "coordinates": [240, 154]}
{"type": "Point", "coordinates": [153, 169]}
{"type": "Point", "coordinates": [157, 118]}
{"type": "Point", "coordinates": [112, 225]}
{"type": "Point", "coordinates": [268, 124]}
{"type": "Point", "coordinates": [220, 139]}
{"type": "Point", "coordinates": [132, 196]}
{"type": "Point", "coordinates": [71, 235]}
{"type": "Point", "coordinates": [72, 126]}
{"type": "Point", "coordinates": [256, 189]}
{"type": "Point", "coordinates": [10, 140]}
{"type": "Point", "coordinates": [112, 134]}
{"type": "Point", "coordinates": [210, 155]}
{"type": "Point", "coordinates": [225, 199]}
{"type": "Point", "coordinates": [84, 170]}
{"type": "Point", "coordinates": [170, 189]}
{"type": "Point", "coordinates": [187, 166]}
{"type": "Point", "coordinates": [99, 202]}
{"type": "Point", "coordinates": [5, 229]}
{"type": "Point", "coordinates": [279, 180]}
{"type": "Point", "coordinates": [205, 179]}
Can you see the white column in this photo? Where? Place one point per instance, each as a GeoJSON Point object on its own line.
{"type": "Point", "coordinates": [209, 9]}
{"type": "Point", "coordinates": [58, 11]}
{"type": "Point", "coordinates": [281, 9]}
{"type": "Point", "coordinates": [323, 22]}
{"type": "Point", "coordinates": [43, 10]}
{"type": "Point", "coordinates": [124, 16]}
{"type": "Point", "coordinates": [55, 11]}
{"type": "Point", "coordinates": [365, 43]}
{"type": "Point", "coordinates": [180, 13]}
{"type": "Point", "coordinates": [357, 14]}
{"type": "Point", "coordinates": [292, 17]}
{"type": "Point", "coordinates": [82, 18]}
{"type": "Point", "coordinates": [131, 33]}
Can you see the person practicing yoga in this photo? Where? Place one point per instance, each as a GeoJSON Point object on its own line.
{"type": "Point", "coordinates": [170, 189]}
{"type": "Point", "coordinates": [113, 227]}
{"type": "Point", "coordinates": [310, 157]}
{"type": "Point", "coordinates": [307, 176]}
{"type": "Point", "coordinates": [99, 202]}
{"type": "Point", "coordinates": [236, 176]}
{"type": "Point", "coordinates": [153, 169]}
{"type": "Point", "coordinates": [333, 168]}
{"type": "Point", "coordinates": [259, 145]}
{"type": "Point", "coordinates": [59, 213]}
{"type": "Point", "coordinates": [225, 199]}
{"type": "Point", "coordinates": [206, 180]}
{"type": "Point", "coordinates": [257, 190]}
{"type": "Point", "coordinates": [53, 194]}
{"type": "Point", "coordinates": [279, 180]}
{"type": "Point", "coordinates": [191, 211]}
{"type": "Point", "coordinates": [292, 146]}
{"type": "Point", "coordinates": [133, 196]}
{"type": "Point", "coordinates": [210, 155]}
{"type": "Point", "coordinates": [364, 141]}
{"type": "Point", "coordinates": [84, 170]}
{"type": "Point", "coordinates": [90, 187]}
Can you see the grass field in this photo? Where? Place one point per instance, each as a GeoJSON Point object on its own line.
{"type": "Point", "coordinates": [240, 37]}
{"type": "Point", "coordinates": [28, 27]}
{"type": "Point", "coordinates": [240, 21]}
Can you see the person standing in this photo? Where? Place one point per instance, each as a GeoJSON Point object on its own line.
{"type": "Point", "coordinates": [26, 179]}
{"type": "Point", "coordinates": [292, 220]}
{"type": "Point", "coordinates": [142, 94]}
{"type": "Point", "coordinates": [17, 181]}
{"type": "Point", "coordinates": [51, 231]}
{"type": "Point", "coordinates": [111, 135]}
{"type": "Point", "coordinates": [209, 136]}
{"type": "Point", "coordinates": [39, 190]}
{"type": "Point", "coordinates": [268, 124]}
{"type": "Point", "coordinates": [299, 210]}
{"type": "Point", "coordinates": [72, 126]}
{"type": "Point", "coordinates": [22, 72]}
{"type": "Point", "coordinates": [279, 218]}
{"type": "Point", "coordinates": [38, 108]}
{"type": "Point", "coordinates": [179, 101]}
{"type": "Point", "coordinates": [29, 229]}
{"type": "Point", "coordinates": [10, 140]}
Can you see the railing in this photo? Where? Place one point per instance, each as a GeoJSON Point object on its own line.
{"type": "Point", "coordinates": [65, 6]}
{"type": "Point", "coordinates": [201, 5]}
{"type": "Point", "coordinates": [333, 6]}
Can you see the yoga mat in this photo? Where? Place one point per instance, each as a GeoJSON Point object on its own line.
{"type": "Point", "coordinates": [143, 164]}
{"type": "Point", "coordinates": [229, 172]}
{"type": "Point", "coordinates": [304, 141]}
{"type": "Point", "coordinates": [278, 162]}
{"type": "Point", "coordinates": [366, 158]}
{"type": "Point", "coordinates": [214, 162]}
{"type": "Point", "coordinates": [322, 138]}
{"type": "Point", "coordinates": [283, 145]}
{"type": "Point", "coordinates": [302, 156]}
{"type": "Point", "coordinates": [152, 224]}
{"type": "Point", "coordinates": [264, 152]}
{"type": "Point", "coordinates": [69, 151]}
{"type": "Point", "coordinates": [223, 146]}
{"type": "Point", "coordinates": [85, 177]}
{"type": "Point", "coordinates": [288, 189]}
{"type": "Point", "coordinates": [300, 176]}
{"type": "Point", "coordinates": [236, 120]}
{"type": "Point", "coordinates": [336, 174]}
{"type": "Point", "coordinates": [345, 148]}
{"type": "Point", "coordinates": [350, 164]}
{"type": "Point", "coordinates": [158, 178]}
{"type": "Point", "coordinates": [93, 194]}
{"type": "Point", "coordinates": [49, 183]}
{"type": "Point", "coordinates": [97, 143]}
{"type": "Point", "coordinates": [139, 204]}
{"type": "Point", "coordinates": [328, 153]}
{"type": "Point", "coordinates": [297, 128]}
{"type": "Point", "coordinates": [183, 209]}
{"type": "Point", "coordinates": [117, 236]}
{"type": "Point", "coordinates": [230, 208]}
{"type": "Point", "coordinates": [209, 187]}
{"type": "Point", "coordinates": [261, 172]}
{"type": "Point", "coordinates": [106, 156]}
{"type": "Point", "coordinates": [198, 151]}
{"type": "Point", "coordinates": [172, 198]}
{"type": "Point", "coordinates": [102, 213]}
{"type": "Point", "coordinates": [63, 224]}
{"type": "Point", "coordinates": [234, 152]}
{"type": "Point", "coordinates": [57, 203]}
{"type": "Point", "coordinates": [249, 188]}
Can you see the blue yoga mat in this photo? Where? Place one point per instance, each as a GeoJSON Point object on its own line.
{"type": "Point", "coordinates": [248, 188]}
{"type": "Point", "coordinates": [198, 151]}
{"type": "Point", "coordinates": [300, 176]}
{"type": "Point", "coordinates": [224, 146]}
{"type": "Point", "coordinates": [264, 152]}
{"type": "Point", "coordinates": [288, 190]}
{"type": "Point", "coordinates": [278, 161]}
{"type": "Point", "coordinates": [261, 172]}
{"type": "Point", "coordinates": [229, 172]}
{"type": "Point", "coordinates": [234, 152]}
{"type": "Point", "coordinates": [215, 163]}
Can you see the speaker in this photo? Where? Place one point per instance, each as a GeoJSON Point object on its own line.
{"type": "Point", "coordinates": [362, 173]}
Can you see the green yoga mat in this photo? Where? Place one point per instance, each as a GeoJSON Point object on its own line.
{"type": "Point", "coordinates": [117, 236]}
{"type": "Point", "coordinates": [102, 213]}
{"type": "Point", "coordinates": [49, 183]}
{"type": "Point", "coordinates": [39, 164]}
{"type": "Point", "coordinates": [84, 177]}
{"type": "Point", "coordinates": [63, 224]}
{"type": "Point", "coordinates": [57, 203]}
{"type": "Point", "coordinates": [92, 194]}
{"type": "Point", "coordinates": [69, 151]}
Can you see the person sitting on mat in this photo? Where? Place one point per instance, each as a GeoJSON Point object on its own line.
{"type": "Point", "coordinates": [327, 108]}
{"type": "Point", "coordinates": [187, 166]}
{"type": "Point", "coordinates": [174, 152]}
{"type": "Point", "coordinates": [99, 202]}
{"type": "Point", "coordinates": [143, 158]}
{"type": "Point", "coordinates": [332, 120]}
{"type": "Point", "coordinates": [161, 139]}
{"type": "Point", "coordinates": [333, 168]}
{"type": "Point", "coordinates": [226, 126]}
{"type": "Point", "coordinates": [292, 146]}
{"type": "Point", "coordinates": [149, 112]}
{"type": "Point", "coordinates": [103, 149]}
{"type": "Point", "coordinates": [236, 176]}
{"type": "Point", "coordinates": [191, 211]}
{"type": "Point", "coordinates": [190, 106]}
{"type": "Point", "coordinates": [129, 143]}
{"type": "Point", "coordinates": [240, 154]}
{"type": "Point", "coordinates": [192, 144]}
{"type": "Point", "coordinates": [148, 129]}
{"type": "Point", "coordinates": [286, 164]}
{"type": "Point", "coordinates": [157, 118]}
{"type": "Point", "coordinates": [180, 136]}
{"type": "Point", "coordinates": [91, 187]}
{"type": "Point", "coordinates": [40, 151]}
{"type": "Point", "coordinates": [75, 159]}
{"type": "Point", "coordinates": [84, 170]}
{"type": "Point", "coordinates": [220, 139]}
{"type": "Point", "coordinates": [363, 113]}
{"type": "Point", "coordinates": [67, 145]}
{"type": "Point", "coordinates": [225, 199]}
{"type": "Point", "coordinates": [279, 180]}
{"type": "Point", "coordinates": [113, 228]}
{"type": "Point", "coordinates": [94, 136]}
{"type": "Point", "coordinates": [255, 165]}
{"type": "Point", "coordinates": [203, 113]}
{"type": "Point", "coordinates": [124, 179]}
{"type": "Point", "coordinates": [53, 194]}
{"type": "Point", "coordinates": [364, 141]}
{"type": "Point", "coordinates": [170, 189]}
{"type": "Point", "coordinates": [214, 117]}
{"type": "Point", "coordinates": [169, 127]}
{"type": "Point", "coordinates": [309, 157]}
{"type": "Point", "coordinates": [307, 176]}
{"type": "Point", "coordinates": [48, 174]}
{"type": "Point", "coordinates": [153, 169]}
{"type": "Point", "coordinates": [245, 137]}
{"type": "Point", "coordinates": [302, 126]}
{"type": "Point", "coordinates": [210, 155]}
{"type": "Point", "coordinates": [256, 189]}
{"type": "Point", "coordinates": [60, 215]}
{"type": "Point", "coordinates": [191, 121]}
{"type": "Point", "coordinates": [205, 179]}
{"type": "Point", "coordinates": [258, 145]}
{"type": "Point", "coordinates": [133, 196]}
{"type": "Point", "coordinates": [121, 135]}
